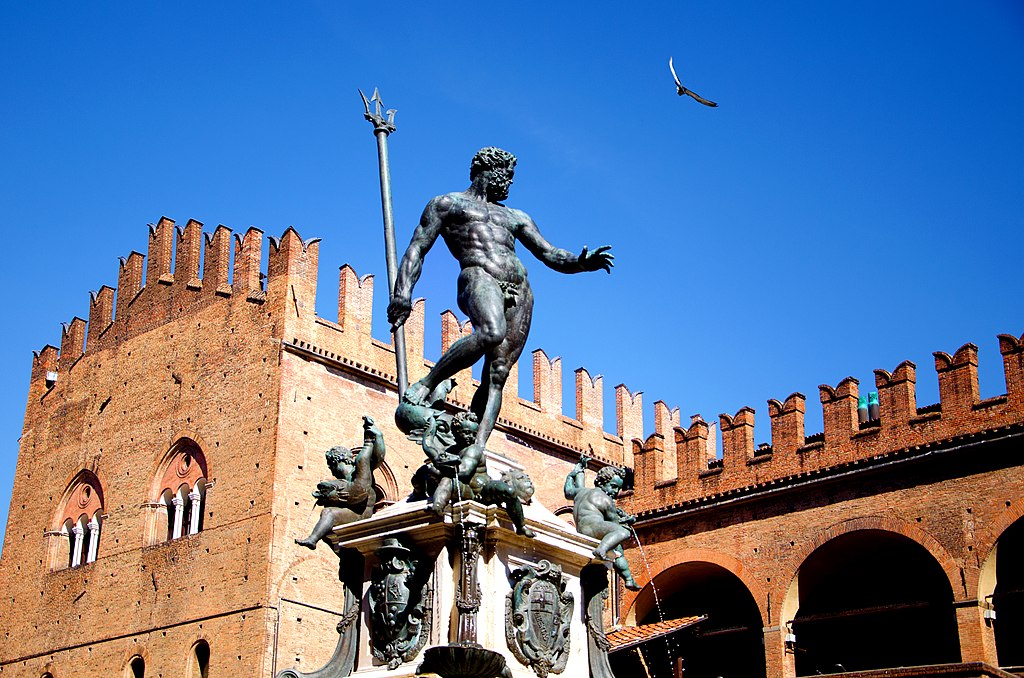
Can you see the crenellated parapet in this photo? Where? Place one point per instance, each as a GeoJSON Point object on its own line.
{"type": "Point", "coordinates": [183, 273]}
{"type": "Point", "coordinates": [900, 425]}
{"type": "Point", "coordinates": [629, 419]}
{"type": "Point", "coordinates": [666, 421]}
{"type": "Point", "coordinates": [1012, 349]}
{"type": "Point", "coordinates": [188, 274]}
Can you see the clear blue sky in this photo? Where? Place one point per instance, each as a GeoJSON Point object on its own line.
{"type": "Point", "coordinates": [855, 201]}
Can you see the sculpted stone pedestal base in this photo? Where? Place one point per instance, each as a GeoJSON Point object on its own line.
{"type": "Point", "coordinates": [469, 579]}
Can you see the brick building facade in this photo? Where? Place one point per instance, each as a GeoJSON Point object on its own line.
{"type": "Point", "coordinates": [895, 541]}
{"type": "Point", "coordinates": [171, 442]}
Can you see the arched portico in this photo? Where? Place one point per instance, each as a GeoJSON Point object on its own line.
{"type": "Point", "coordinates": [1001, 595]}
{"type": "Point", "coordinates": [729, 642]}
{"type": "Point", "coordinates": [869, 598]}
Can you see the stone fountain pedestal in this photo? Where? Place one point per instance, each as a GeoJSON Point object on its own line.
{"type": "Point", "coordinates": [467, 565]}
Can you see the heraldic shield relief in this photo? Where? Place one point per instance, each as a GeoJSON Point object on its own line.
{"type": "Point", "coordinates": [400, 605]}
{"type": "Point", "coordinates": [538, 611]}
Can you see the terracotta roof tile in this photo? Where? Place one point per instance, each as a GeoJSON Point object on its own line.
{"type": "Point", "coordinates": [629, 636]}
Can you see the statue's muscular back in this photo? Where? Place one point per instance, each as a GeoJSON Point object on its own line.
{"type": "Point", "coordinates": [481, 234]}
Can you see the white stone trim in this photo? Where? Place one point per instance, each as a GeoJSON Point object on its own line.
{"type": "Point", "coordinates": [179, 515]}
{"type": "Point", "coordinates": [94, 540]}
{"type": "Point", "coordinates": [79, 532]}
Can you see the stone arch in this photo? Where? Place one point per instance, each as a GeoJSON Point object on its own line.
{"type": "Point", "coordinates": [1000, 586]}
{"type": "Point", "coordinates": [988, 547]}
{"type": "Point", "coordinates": [74, 531]}
{"type": "Point", "coordinates": [184, 441]}
{"type": "Point", "coordinates": [871, 578]}
{"type": "Point", "coordinates": [74, 501]}
{"type": "Point", "coordinates": [991, 533]}
{"type": "Point", "coordinates": [178, 484]}
{"type": "Point", "coordinates": [713, 585]}
{"type": "Point", "coordinates": [133, 652]}
{"type": "Point", "coordinates": [885, 524]}
{"type": "Point", "coordinates": [689, 555]}
{"type": "Point", "coordinates": [197, 659]}
{"type": "Point", "coordinates": [384, 479]}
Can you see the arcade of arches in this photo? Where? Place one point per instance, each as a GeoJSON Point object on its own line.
{"type": "Point", "coordinates": [866, 599]}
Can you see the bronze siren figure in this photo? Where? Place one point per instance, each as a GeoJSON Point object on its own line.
{"type": "Point", "coordinates": [493, 290]}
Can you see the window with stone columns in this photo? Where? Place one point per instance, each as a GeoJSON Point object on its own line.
{"type": "Point", "coordinates": [74, 539]}
{"type": "Point", "coordinates": [179, 493]}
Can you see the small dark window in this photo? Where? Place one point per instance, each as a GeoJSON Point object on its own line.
{"type": "Point", "coordinates": [138, 666]}
{"type": "Point", "coordinates": [200, 667]}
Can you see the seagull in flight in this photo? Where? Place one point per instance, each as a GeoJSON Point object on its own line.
{"type": "Point", "coordinates": [682, 90]}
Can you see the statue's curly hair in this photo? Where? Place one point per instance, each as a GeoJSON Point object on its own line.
{"type": "Point", "coordinates": [605, 475]}
{"type": "Point", "coordinates": [337, 454]}
{"type": "Point", "coordinates": [490, 158]}
{"type": "Point", "coordinates": [457, 420]}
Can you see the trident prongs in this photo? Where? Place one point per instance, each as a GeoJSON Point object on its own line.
{"type": "Point", "coordinates": [380, 122]}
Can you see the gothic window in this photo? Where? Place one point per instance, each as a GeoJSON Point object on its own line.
{"type": "Point", "coordinates": [385, 487]}
{"type": "Point", "coordinates": [180, 494]}
{"type": "Point", "coordinates": [136, 668]}
{"type": "Point", "coordinates": [76, 539]}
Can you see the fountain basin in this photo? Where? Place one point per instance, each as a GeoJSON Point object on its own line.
{"type": "Point", "coordinates": [464, 661]}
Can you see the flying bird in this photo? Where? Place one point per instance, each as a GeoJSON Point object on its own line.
{"type": "Point", "coordinates": [682, 90]}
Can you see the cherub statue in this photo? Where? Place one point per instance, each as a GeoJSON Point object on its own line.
{"type": "Point", "coordinates": [597, 516]}
{"type": "Point", "coordinates": [454, 458]}
{"type": "Point", "coordinates": [350, 495]}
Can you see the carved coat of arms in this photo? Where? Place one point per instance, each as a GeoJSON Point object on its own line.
{"type": "Point", "coordinates": [400, 606]}
{"type": "Point", "coordinates": [538, 611]}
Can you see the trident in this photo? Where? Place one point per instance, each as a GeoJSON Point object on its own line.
{"type": "Point", "coordinates": [382, 127]}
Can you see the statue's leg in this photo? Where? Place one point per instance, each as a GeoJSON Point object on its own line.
{"type": "Point", "coordinates": [322, 528]}
{"type": "Point", "coordinates": [621, 566]}
{"type": "Point", "coordinates": [615, 535]}
{"type": "Point", "coordinates": [499, 363]}
{"type": "Point", "coordinates": [514, 509]}
{"type": "Point", "coordinates": [482, 300]}
{"type": "Point", "coordinates": [442, 495]}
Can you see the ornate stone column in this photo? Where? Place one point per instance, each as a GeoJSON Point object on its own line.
{"type": "Point", "coordinates": [76, 557]}
{"type": "Point", "coordinates": [94, 540]}
{"type": "Point", "coordinates": [179, 515]}
{"type": "Point", "coordinates": [197, 511]}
